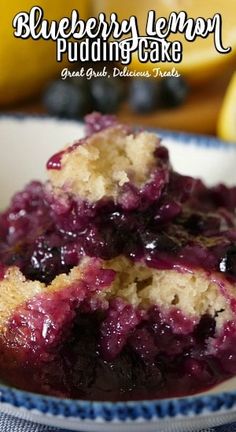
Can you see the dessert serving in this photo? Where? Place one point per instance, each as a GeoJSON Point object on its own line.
{"type": "Point", "coordinates": [117, 275]}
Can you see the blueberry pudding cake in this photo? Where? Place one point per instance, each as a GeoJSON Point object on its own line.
{"type": "Point", "coordinates": [117, 275]}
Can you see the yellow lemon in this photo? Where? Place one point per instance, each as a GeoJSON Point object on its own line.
{"type": "Point", "coordinates": [227, 118]}
{"type": "Point", "coordinates": [27, 64]}
{"type": "Point", "coordinates": [200, 60]}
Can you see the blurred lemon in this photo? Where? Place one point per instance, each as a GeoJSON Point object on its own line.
{"type": "Point", "coordinates": [227, 119]}
{"type": "Point", "coordinates": [200, 59]}
{"type": "Point", "coordinates": [27, 64]}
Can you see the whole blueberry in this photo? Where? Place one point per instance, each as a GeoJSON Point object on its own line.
{"type": "Point", "coordinates": [144, 95]}
{"type": "Point", "coordinates": [63, 99]}
{"type": "Point", "coordinates": [174, 91]}
{"type": "Point", "coordinates": [107, 94]}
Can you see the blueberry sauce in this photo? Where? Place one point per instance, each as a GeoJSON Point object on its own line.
{"type": "Point", "coordinates": [55, 161]}
{"type": "Point", "coordinates": [112, 353]}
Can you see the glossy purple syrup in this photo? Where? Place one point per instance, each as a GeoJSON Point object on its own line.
{"type": "Point", "coordinates": [45, 237]}
{"type": "Point", "coordinates": [112, 354]}
{"type": "Point", "coordinates": [29, 238]}
{"type": "Point", "coordinates": [55, 161]}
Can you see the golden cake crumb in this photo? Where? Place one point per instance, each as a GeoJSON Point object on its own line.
{"type": "Point", "coordinates": [193, 292]}
{"type": "Point", "coordinates": [15, 289]}
{"type": "Point", "coordinates": [106, 161]}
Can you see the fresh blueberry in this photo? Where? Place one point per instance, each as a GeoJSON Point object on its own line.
{"type": "Point", "coordinates": [144, 95]}
{"type": "Point", "coordinates": [107, 94]}
{"type": "Point", "coordinates": [63, 99]}
{"type": "Point", "coordinates": [174, 91]}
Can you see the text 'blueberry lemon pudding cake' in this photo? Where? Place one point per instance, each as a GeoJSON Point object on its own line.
{"type": "Point", "coordinates": [118, 275]}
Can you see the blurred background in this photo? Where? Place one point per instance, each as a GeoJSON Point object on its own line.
{"type": "Point", "coordinates": [202, 99]}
